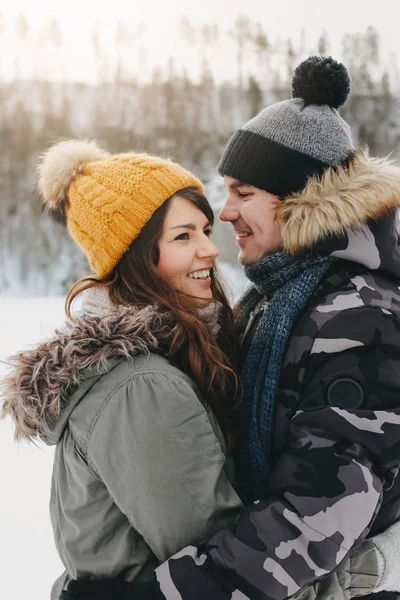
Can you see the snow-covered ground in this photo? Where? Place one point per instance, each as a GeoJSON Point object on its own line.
{"type": "Point", "coordinates": [28, 558]}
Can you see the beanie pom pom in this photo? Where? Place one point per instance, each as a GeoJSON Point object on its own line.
{"type": "Point", "coordinates": [59, 166]}
{"type": "Point", "coordinates": [321, 80]}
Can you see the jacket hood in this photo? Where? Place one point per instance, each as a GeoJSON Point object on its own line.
{"type": "Point", "coordinates": [42, 379]}
{"type": "Point", "coordinates": [46, 383]}
{"type": "Point", "coordinates": [350, 212]}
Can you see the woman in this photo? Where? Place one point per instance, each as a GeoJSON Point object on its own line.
{"type": "Point", "coordinates": [137, 392]}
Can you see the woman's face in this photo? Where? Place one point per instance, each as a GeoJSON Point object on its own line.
{"type": "Point", "coordinates": [186, 251]}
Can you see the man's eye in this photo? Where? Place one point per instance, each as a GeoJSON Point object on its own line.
{"type": "Point", "coordinates": [208, 232]}
{"type": "Point", "coordinates": [182, 236]}
{"type": "Point", "coordinates": [243, 195]}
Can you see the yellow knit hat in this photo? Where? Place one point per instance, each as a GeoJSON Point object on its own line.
{"type": "Point", "coordinates": [107, 199]}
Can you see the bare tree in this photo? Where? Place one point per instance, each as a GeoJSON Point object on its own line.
{"type": "Point", "coordinates": [242, 33]}
{"type": "Point", "coordinates": [22, 26]}
{"type": "Point", "coordinates": [254, 96]}
{"type": "Point", "coordinates": [323, 45]}
{"type": "Point", "coordinates": [187, 30]}
{"type": "Point", "coordinates": [263, 50]}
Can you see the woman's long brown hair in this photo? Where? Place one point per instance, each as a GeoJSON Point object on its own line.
{"type": "Point", "coordinates": [193, 349]}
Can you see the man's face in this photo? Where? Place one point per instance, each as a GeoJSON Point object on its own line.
{"type": "Point", "coordinates": [252, 213]}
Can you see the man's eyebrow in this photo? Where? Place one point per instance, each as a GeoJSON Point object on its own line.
{"type": "Point", "coordinates": [190, 226]}
{"type": "Point", "coordinates": [238, 184]}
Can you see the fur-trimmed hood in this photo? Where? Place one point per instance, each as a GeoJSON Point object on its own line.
{"type": "Point", "coordinates": [46, 383]}
{"type": "Point", "coordinates": [350, 212]}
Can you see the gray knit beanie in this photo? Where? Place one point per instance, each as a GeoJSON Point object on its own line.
{"type": "Point", "coordinates": [287, 142]}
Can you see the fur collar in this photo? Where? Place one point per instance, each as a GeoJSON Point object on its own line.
{"type": "Point", "coordinates": [42, 378]}
{"type": "Point", "coordinates": [346, 197]}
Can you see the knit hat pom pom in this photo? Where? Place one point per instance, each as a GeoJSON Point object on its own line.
{"type": "Point", "coordinates": [60, 165]}
{"type": "Point", "coordinates": [321, 80]}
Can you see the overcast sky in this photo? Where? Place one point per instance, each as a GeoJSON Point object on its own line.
{"type": "Point", "coordinates": [280, 18]}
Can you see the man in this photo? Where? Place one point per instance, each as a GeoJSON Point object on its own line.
{"type": "Point", "coordinates": [320, 416]}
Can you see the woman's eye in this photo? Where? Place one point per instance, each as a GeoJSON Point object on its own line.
{"type": "Point", "coordinates": [182, 236]}
{"type": "Point", "coordinates": [208, 232]}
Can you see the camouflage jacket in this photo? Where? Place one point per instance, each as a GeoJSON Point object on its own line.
{"type": "Point", "coordinates": [337, 428]}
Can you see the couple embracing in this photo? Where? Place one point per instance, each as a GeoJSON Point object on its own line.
{"type": "Point", "coordinates": [205, 453]}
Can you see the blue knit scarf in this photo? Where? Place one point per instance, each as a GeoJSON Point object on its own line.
{"type": "Point", "coordinates": [288, 283]}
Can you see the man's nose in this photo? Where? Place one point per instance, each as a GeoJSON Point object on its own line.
{"type": "Point", "coordinates": [229, 211]}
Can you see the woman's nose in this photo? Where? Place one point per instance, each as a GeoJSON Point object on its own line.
{"type": "Point", "coordinates": [208, 248]}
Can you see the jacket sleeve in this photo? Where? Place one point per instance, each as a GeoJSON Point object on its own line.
{"type": "Point", "coordinates": [327, 485]}
{"type": "Point", "coordinates": [358, 575]}
{"type": "Point", "coordinates": [154, 448]}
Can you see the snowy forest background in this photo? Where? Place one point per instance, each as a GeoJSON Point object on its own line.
{"type": "Point", "coordinates": [216, 78]}
{"type": "Point", "coordinates": [186, 115]}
